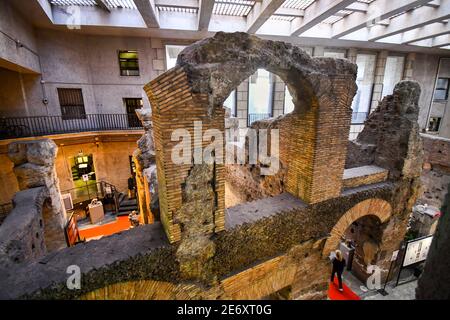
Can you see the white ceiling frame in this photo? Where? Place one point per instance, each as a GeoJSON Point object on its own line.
{"type": "Point", "coordinates": [317, 12]}
{"type": "Point", "coordinates": [101, 4]}
{"type": "Point", "coordinates": [417, 18]}
{"type": "Point", "coordinates": [377, 11]}
{"type": "Point", "coordinates": [441, 41]}
{"type": "Point", "coordinates": [148, 11]}
{"type": "Point", "coordinates": [204, 14]}
{"type": "Point", "coordinates": [423, 33]}
{"type": "Point", "coordinates": [260, 13]}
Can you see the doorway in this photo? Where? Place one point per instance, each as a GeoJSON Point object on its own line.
{"type": "Point", "coordinates": [131, 104]}
{"type": "Point", "coordinates": [83, 176]}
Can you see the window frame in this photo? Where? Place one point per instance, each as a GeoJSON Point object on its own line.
{"type": "Point", "coordinates": [438, 88]}
{"type": "Point", "coordinates": [169, 44]}
{"type": "Point", "coordinates": [81, 107]}
{"type": "Point", "coordinates": [121, 70]}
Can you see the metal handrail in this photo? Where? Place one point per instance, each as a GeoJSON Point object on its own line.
{"type": "Point", "coordinates": [99, 193]}
{"type": "Point", "coordinates": [21, 127]}
{"type": "Point", "coordinates": [252, 117]}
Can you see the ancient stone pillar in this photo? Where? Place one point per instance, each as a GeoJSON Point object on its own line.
{"type": "Point", "coordinates": [144, 159]}
{"type": "Point", "coordinates": [34, 166]}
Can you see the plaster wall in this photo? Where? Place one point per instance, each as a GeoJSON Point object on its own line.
{"type": "Point", "coordinates": [14, 26]}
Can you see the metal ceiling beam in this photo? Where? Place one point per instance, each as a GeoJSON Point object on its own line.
{"type": "Point", "coordinates": [260, 13]}
{"type": "Point", "coordinates": [205, 13]}
{"type": "Point", "coordinates": [376, 11]}
{"type": "Point", "coordinates": [101, 4]}
{"type": "Point", "coordinates": [423, 33]}
{"type": "Point", "coordinates": [441, 41]}
{"type": "Point", "coordinates": [148, 12]}
{"type": "Point", "coordinates": [417, 18]}
{"type": "Point", "coordinates": [317, 12]}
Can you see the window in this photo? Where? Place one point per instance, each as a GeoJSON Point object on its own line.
{"type": "Point", "coordinates": [441, 91]}
{"type": "Point", "coordinates": [230, 103]}
{"type": "Point", "coordinates": [172, 52]}
{"type": "Point", "coordinates": [393, 74]}
{"type": "Point", "coordinates": [288, 104]}
{"type": "Point", "coordinates": [364, 80]}
{"type": "Point", "coordinates": [129, 63]}
{"type": "Point", "coordinates": [72, 104]}
{"type": "Point", "coordinates": [260, 92]}
{"type": "Point", "coordinates": [131, 104]}
{"type": "Point", "coordinates": [434, 124]}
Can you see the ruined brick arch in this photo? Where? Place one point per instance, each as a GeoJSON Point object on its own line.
{"type": "Point", "coordinates": [195, 89]}
{"type": "Point", "coordinates": [216, 66]}
{"type": "Point", "coordinates": [370, 207]}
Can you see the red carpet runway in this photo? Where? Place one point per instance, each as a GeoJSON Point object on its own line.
{"type": "Point", "coordinates": [334, 294]}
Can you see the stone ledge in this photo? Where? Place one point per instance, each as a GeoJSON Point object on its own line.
{"type": "Point", "coordinates": [364, 175]}
{"type": "Point", "coordinates": [92, 257]}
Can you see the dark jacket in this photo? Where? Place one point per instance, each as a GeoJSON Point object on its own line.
{"type": "Point", "coordinates": [338, 266]}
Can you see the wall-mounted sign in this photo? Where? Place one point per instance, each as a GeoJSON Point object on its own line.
{"type": "Point", "coordinates": [417, 250]}
{"type": "Point", "coordinates": [85, 177]}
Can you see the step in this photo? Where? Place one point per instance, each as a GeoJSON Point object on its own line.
{"type": "Point", "coordinates": [127, 208]}
{"type": "Point", "coordinates": [126, 202]}
{"type": "Point", "coordinates": [121, 197]}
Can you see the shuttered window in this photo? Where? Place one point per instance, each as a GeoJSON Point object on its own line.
{"type": "Point", "coordinates": [72, 104]}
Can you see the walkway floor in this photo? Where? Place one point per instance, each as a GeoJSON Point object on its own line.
{"type": "Point", "coordinates": [405, 291]}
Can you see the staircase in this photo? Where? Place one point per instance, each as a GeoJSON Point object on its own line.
{"type": "Point", "coordinates": [126, 205]}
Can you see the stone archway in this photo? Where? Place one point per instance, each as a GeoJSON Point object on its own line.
{"type": "Point", "coordinates": [192, 195]}
{"type": "Point", "coordinates": [370, 207]}
{"type": "Point", "coordinates": [195, 89]}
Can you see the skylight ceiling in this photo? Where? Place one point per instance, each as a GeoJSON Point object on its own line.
{"type": "Point", "coordinates": [358, 20]}
{"type": "Point", "coordinates": [183, 9]}
{"type": "Point", "coordinates": [297, 4]}
{"type": "Point", "coordinates": [113, 4]}
{"type": "Point", "coordinates": [233, 7]}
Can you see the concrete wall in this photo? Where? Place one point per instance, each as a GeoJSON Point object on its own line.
{"type": "Point", "coordinates": [91, 63]}
{"type": "Point", "coordinates": [15, 27]}
{"type": "Point", "coordinates": [424, 71]}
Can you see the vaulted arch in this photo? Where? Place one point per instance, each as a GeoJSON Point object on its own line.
{"type": "Point", "coordinates": [370, 207]}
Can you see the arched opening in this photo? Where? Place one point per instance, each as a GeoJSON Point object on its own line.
{"type": "Point", "coordinates": [260, 101]}
{"type": "Point", "coordinates": [358, 234]}
{"type": "Point", "coordinates": [361, 245]}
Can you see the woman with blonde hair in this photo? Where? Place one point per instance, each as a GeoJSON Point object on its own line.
{"type": "Point", "coordinates": [338, 268]}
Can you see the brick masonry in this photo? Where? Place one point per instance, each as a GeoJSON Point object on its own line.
{"type": "Point", "coordinates": [364, 175]}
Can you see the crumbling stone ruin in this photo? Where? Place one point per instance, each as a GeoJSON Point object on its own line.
{"type": "Point", "coordinates": [282, 239]}
{"type": "Point", "coordinates": [36, 224]}
{"type": "Point", "coordinates": [144, 159]}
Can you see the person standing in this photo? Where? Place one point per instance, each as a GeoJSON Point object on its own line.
{"type": "Point", "coordinates": [131, 188]}
{"type": "Point", "coordinates": [338, 263]}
